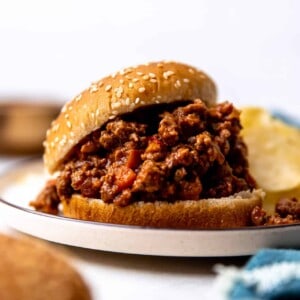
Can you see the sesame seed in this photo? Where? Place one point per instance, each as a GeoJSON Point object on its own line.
{"type": "Point", "coordinates": [66, 116]}
{"type": "Point", "coordinates": [93, 89]}
{"type": "Point", "coordinates": [191, 71]}
{"type": "Point", "coordinates": [78, 97]}
{"type": "Point", "coordinates": [122, 72]}
{"type": "Point", "coordinates": [121, 81]}
{"type": "Point", "coordinates": [56, 139]}
{"type": "Point", "coordinates": [177, 84]}
{"type": "Point", "coordinates": [63, 141]}
{"type": "Point", "coordinates": [153, 80]}
{"type": "Point", "coordinates": [152, 75]}
{"type": "Point", "coordinates": [55, 127]}
{"type": "Point", "coordinates": [202, 76]}
{"type": "Point", "coordinates": [45, 144]}
{"type": "Point", "coordinates": [114, 112]}
{"type": "Point", "coordinates": [127, 101]}
{"type": "Point", "coordinates": [135, 80]}
{"type": "Point", "coordinates": [115, 105]}
{"type": "Point", "coordinates": [64, 108]}
{"type": "Point", "coordinates": [139, 73]}
{"type": "Point", "coordinates": [111, 117]}
{"type": "Point", "coordinates": [158, 96]}
{"type": "Point", "coordinates": [130, 85]}
{"type": "Point", "coordinates": [157, 101]}
{"type": "Point", "coordinates": [160, 65]}
{"type": "Point", "coordinates": [146, 77]}
{"type": "Point", "coordinates": [97, 112]}
{"type": "Point", "coordinates": [186, 80]}
{"type": "Point", "coordinates": [69, 124]}
{"type": "Point", "coordinates": [113, 75]}
{"type": "Point", "coordinates": [137, 100]}
{"type": "Point", "coordinates": [119, 91]}
{"type": "Point", "coordinates": [141, 89]}
{"type": "Point", "coordinates": [108, 88]}
{"type": "Point", "coordinates": [72, 134]}
{"type": "Point", "coordinates": [167, 74]}
{"type": "Point", "coordinates": [128, 70]}
{"type": "Point", "coordinates": [100, 83]}
{"type": "Point", "coordinates": [82, 125]}
{"type": "Point", "coordinates": [142, 102]}
{"type": "Point", "coordinates": [92, 115]}
{"type": "Point", "coordinates": [70, 107]}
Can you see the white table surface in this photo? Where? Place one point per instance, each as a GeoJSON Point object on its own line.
{"type": "Point", "coordinates": [124, 276]}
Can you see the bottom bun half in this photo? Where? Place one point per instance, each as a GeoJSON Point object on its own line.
{"type": "Point", "coordinates": [229, 212]}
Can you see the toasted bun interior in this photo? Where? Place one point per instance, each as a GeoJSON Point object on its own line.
{"type": "Point", "coordinates": [123, 92]}
{"type": "Point", "coordinates": [229, 212]}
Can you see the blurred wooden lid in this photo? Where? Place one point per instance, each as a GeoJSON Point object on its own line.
{"type": "Point", "coordinates": [23, 125]}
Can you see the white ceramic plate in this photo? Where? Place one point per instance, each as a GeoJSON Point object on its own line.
{"type": "Point", "coordinates": [25, 180]}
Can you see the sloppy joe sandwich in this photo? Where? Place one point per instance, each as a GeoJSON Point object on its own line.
{"type": "Point", "coordinates": [149, 146]}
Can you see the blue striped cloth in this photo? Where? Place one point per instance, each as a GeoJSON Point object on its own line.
{"type": "Point", "coordinates": [270, 274]}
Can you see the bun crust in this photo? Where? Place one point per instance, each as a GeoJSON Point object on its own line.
{"type": "Point", "coordinates": [229, 212]}
{"type": "Point", "coordinates": [122, 92]}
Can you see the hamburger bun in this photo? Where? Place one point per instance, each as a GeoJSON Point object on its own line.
{"type": "Point", "coordinates": [227, 212]}
{"type": "Point", "coordinates": [30, 269]}
{"type": "Point", "coordinates": [120, 93]}
{"type": "Point", "coordinates": [124, 92]}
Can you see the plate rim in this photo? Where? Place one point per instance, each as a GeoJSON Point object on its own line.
{"type": "Point", "coordinates": [123, 226]}
{"type": "Point", "coordinates": [182, 238]}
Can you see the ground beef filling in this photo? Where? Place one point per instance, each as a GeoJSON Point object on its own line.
{"type": "Point", "coordinates": [187, 152]}
{"type": "Point", "coordinates": [48, 200]}
{"type": "Point", "coordinates": [287, 211]}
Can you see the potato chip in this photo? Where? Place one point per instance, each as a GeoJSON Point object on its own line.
{"type": "Point", "coordinates": [274, 150]}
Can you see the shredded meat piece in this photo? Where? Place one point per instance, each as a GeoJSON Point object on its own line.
{"type": "Point", "coordinates": [287, 211]}
{"type": "Point", "coordinates": [150, 178]}
{"type": "Point", "coordinates": [258, 216]}
{"type": "Point", "coordinates": [82, 175]}
{"type": "Point", "coordinates": [168, 129]}
{"type": "Point", "coordinates": [288, 206]}
{"type": "Point", "coordinates": [119, 131]}
{"type": "Point", "coordinates": [188, 151]}
{"type": "Point", "coordinates": [47, 201]}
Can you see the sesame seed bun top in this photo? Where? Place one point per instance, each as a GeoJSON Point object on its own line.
{"type": "Point", "coordinates": [123, 92]}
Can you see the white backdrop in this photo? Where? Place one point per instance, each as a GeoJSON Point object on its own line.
{"type": "Point", "coordinates": [56, 48]}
